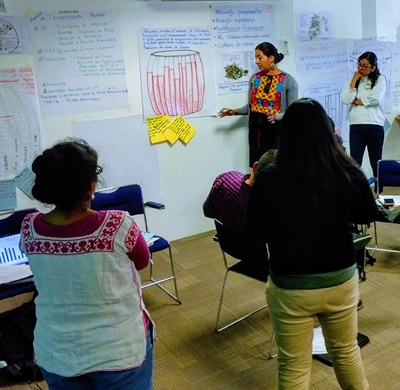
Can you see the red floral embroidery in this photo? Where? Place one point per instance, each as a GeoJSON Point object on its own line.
{"type": "Point", "coordinates": [102, 240]}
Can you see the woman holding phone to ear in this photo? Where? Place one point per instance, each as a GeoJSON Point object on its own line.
{"type": "Point", "coordinates": [364, 95]}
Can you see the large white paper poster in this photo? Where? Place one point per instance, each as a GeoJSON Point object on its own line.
{"type": "Point", "coordinates": [19, 127]}
{"type": "Point", "coordinates": [124, 152]}
{"type": "Point", "coordinates": [327, 92]}
{"type": "Point", "coordinates": [323, 71]}
{"type": "Point", "coordinates": [81, 68]}
{"type": "Point", "coordinates": [11, 34]}
{"type": "Point", "coordinates": [175, 71]}
{"type": "Point", "coordinates": [237, 30]}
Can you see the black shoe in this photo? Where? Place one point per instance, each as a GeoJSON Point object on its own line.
{"type": "Point", "coordinates": [359, 304]}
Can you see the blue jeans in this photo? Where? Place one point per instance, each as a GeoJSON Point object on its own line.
{"type": "Point", "coordinates": [140, 378]}
{"type": "Point", "coordinates": [370, 137]}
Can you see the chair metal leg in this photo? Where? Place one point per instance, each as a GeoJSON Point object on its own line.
{"type": "Point", "coordinates": [217, 329]}
{"type": "Point", "coordinates": [272, 345]}
{"type": "Point", "coordinates": [220, 301]}
{"type": "Point", "coordinates": [376, 248]}
{"type": "Point", "coordinates": [158, 282]}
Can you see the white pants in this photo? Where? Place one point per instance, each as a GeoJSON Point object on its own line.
{"type": "Point", "coordinates": [293, 314]}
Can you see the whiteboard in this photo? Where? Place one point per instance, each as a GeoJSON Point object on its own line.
{"type": "Point", "coordinates": [124, 152]}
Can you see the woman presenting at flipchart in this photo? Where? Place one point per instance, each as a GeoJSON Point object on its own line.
{"type": "Point", "coordinates": [271, 92]}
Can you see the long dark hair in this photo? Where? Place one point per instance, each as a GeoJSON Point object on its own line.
{"type": "Point", "coordinates": [309, 156]}
{"type": "Point", "coordinates": [270, 50]}
{"type": "Point", "coordinates": [373, 60]}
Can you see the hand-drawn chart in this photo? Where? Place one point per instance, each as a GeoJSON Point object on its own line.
{"type": "Point", "coordinates": [233, 70]}
{"type": "Point", "coordinates": [19, 127]}
{"type": "Point", "coordinates": [323, 70]}
{"type": "Point", "coordinates": [312, 26]}
{"type": "Point", "coordinates": [175, 82]}
{"type": "Point", "coordinates": [328, 94]}
{"type": "Point", "coordinates": [9, 40]}
{"type": "Point", "coordinates": [174, 70]}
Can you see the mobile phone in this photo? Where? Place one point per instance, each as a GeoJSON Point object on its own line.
{"type": "Point", "coordinates": [388, 201]}
{"type": "Point", "coordinates": [155, 205]}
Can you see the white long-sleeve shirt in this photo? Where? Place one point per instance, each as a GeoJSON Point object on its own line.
{"type": "Point", "coordinates": [371, 111]}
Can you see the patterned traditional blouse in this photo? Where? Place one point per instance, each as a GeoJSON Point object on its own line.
{"type": "Point", "coordinates": [266, 93]}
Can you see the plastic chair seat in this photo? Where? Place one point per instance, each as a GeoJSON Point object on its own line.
{"type": "Point", "coordinates": [159, 245]}
{"type": "Point", "coordinates": [258, 272]}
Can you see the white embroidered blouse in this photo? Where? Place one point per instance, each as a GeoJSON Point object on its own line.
{"type": "Point", "coordinates": [89, 308]}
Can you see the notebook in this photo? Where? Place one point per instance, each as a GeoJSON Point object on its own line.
{"type": "Point", "coordinates": [320, 353]}
{"type": "Point", "coordinates": [10, 254]}
{"type": "Point", "coordinates": [149, 237]}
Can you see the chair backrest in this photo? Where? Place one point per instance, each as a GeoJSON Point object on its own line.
{"type": "Point", "coordinates": [12, 224]}
{"type": "Point", "coordinates": [230, 241]}
{"type": "Point", "coordinates": [388, 173]}
{"type": "Point", "coordinates": [126, 198]}
{"type": "Point", "coordinates": [238, 245]}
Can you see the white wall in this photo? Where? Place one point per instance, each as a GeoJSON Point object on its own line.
{"type": "Point", "coordinates": [388, 19]}
{"type": "Point", "coordinates": [187, 172]}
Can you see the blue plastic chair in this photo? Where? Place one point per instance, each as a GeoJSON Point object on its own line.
{"type": "Point", "coordinates": [388, 176]}
{"type": "Point", "coordinates": [130, 198]}
{"type": "Point", "coordinates": [12, 224]}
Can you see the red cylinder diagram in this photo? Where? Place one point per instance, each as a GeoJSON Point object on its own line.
{"type": "Point", "coordinates": [175, 82]}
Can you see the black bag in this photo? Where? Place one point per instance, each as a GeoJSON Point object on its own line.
{"type": "Point", "coordinates": [16, 344]}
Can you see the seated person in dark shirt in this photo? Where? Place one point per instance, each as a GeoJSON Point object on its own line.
{"type": "Point", "coordinates": [227, 200]}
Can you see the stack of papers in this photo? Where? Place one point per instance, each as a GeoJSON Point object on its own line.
{"type": "Point", "coordinates": [12, 273]}
{"type": "Point", "coordinates": [318, 345]}
{"type": "Point", "coordinates": [10, 252]}
{"type": "Point", "coordinates": [149, 237]}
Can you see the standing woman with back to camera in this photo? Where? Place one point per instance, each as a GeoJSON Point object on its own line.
{"type": "Point", "coordinates": [364, 95]}
{"type": "Point", "coordinates": [271, 92]}
{"type": "Point", "coordinates": [313, 268]}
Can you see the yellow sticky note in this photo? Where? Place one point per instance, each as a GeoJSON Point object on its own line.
{"type": "Point", "coordinates": [155, 135]}
{"type": "Point", "coordinates": [165, 129]}
{"type": "Point", "coordinates": [183, 129]}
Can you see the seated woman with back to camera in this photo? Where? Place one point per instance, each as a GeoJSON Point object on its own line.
{"type": "Point", "coordinates": [93, 330]}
